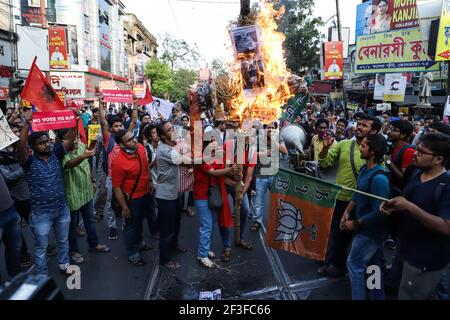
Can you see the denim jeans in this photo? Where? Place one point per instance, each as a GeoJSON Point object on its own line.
{"type": "Point", "coordinates": [169, 218]}
{"type": "Point", "coordinates": [24, 210]}
{"type": "Point", "coordinates": [11, 236]}
{"type": "Point", "coordinates": [108, 211]}
{"type": "Point", "coordinates": [41, 223]}
{"type": "Point", "coordinates": [364, 251]}
{"type": "Point", "coordinates": [87, 213]}
{"type": "Point", "coordinates": [133, 226]}
{"type": "Point", "coordinates": [208, 218]}
{"type": "Point", "coordinates": [262, 185]}
{"type": "Point", "coordinates": [442, 288]}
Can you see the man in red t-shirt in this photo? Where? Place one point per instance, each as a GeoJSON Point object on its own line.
{"type": "Point", "coordinates": [132, 187]}
{"type": "Point", "coordinates": [403, 153]}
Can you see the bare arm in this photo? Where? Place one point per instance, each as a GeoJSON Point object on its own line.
{"type": "Point", "coordinates": [75, 162]}
{"type": "Point", "coordinates": [22, 150]}
{"type": "Point", "coordinates": [248, 179]}
{"type": "Point", "coordinates": [71, 135]}
{"type": "Point", "coordinates": [121, 199]}
{"type": "Point", "coordinates": [220, 172]}
{"type": "Point", "coordinates": [133, 122]}
{"type": "Point", "coordinates": [103, 123]}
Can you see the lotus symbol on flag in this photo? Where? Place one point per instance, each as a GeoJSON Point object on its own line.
{"type": "Point", "coordinates": [290, 223]}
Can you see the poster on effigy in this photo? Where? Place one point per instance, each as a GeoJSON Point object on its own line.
{"type": "Point", "coordinates": [246, 41]}
{"type": "Point", "coordinates": [7, 137]}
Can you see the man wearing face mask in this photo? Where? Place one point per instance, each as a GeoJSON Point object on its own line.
{"type": "Point", "coordinates": [132, 187]}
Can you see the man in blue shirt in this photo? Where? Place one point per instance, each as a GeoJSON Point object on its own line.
{"type": "Point", "coordinates": [367, 223]}
{"type": "Point", "coordinates": [48, 201]}
{"type": "Point", "coordinates": [425, 231]}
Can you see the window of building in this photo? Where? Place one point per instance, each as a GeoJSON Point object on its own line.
{"type": "Point", "coordinates": [36, 3]}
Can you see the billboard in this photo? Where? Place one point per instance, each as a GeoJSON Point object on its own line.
{"type": "Point", "coordinates": [334, 60]}
{"type": "Point", "coordinates": [105, 35]}
{"type": "Point", "coordinates": [379, 16]}
{"type": "Point", "coordinates": [57, 42]}
{"type": "Point", "coordinates": [32, 42]}
{"type": "Point", "coordinates": [395, 51]}
{"type": "Point", "coordinates": [443, 41]}
{"type": "Point", "coordinates": [73, 84]}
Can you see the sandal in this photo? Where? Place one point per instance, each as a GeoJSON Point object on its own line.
{"type": "Point", "coordinates": [226, 255]}
{"type": "Point", "coordinates": [255, 227]}
{"type": "Point", "coordinates": [206, 262]}
{"type": "Point", "coordinates": [244, 244]}
{"type": "Point", "coordinates": [100, 248]}
{"type": "Point", "coordinates": [138, 262]}
{"type": "Point", "coordinates": [172, 265]}
{"type": "Point", "coordinates": [98, 217]}
{"type": "Point", "coordinates": [76, 258]}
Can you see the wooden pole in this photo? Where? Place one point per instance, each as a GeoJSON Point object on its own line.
{"type": "Point", "coordinates": [43, 15]}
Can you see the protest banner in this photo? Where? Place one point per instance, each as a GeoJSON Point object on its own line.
{"type": "Point", "coordinates": [120, 96]}
{"type": "Point", "coordinates": [53, 120]}
{"type": "Point", "coordinates": [395, 51]}
{"type": "Point", "coordinates": [7, 137]}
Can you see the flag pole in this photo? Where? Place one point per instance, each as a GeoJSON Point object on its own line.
{"type": "Point", "coordinates": [364, 193]}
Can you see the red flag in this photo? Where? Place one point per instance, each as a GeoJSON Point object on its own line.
{"type": "Point", "coordinates": [81, 130]}
{"type": "Point", "coordinates": [147, 98]}
{"type": "Point", "coordinates": [39, 92]}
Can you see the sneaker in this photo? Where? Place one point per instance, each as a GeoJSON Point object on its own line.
{"type": "Point", "coordinates": [206, 262]}
{"type": "Point", "coordinates": [76, 258]}
{"type": "Point", "coordinates": [51, 250]}
{"type": "Point", "coordinates": [211, 255]}
{"type": "Point", "coordinates": [113, 234]}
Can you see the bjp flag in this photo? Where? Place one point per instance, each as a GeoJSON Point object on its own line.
{"type": "Point", "coordinates": [301, 210]}
{"type": "Point", "coordinates": [39, 92]}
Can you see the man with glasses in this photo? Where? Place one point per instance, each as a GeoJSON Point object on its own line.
{"type": "Point", "coordinates": [48, 201]}
{"type": "Point", "coordinates": [425, 231]}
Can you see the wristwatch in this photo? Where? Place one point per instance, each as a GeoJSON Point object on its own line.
{"type": "Point", "coordinates": [388, 162]}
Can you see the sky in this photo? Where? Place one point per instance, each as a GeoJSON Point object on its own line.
{"type": "Point", "coordinates": [204, 22]}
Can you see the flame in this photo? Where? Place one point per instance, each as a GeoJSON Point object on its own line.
{"type": "Point", "coordinates": [264, 104]}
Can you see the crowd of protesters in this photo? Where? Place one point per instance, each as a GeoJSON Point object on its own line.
{"type": "Point", "coordinates": [51, 181]}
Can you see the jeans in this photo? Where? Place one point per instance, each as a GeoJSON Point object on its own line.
{"type": "Point", "coordinates": [208, 219]}
{"type": "Point", "coordinates": [133, 226]}
{"type": "Point", "coordinates": [187, 199]}
{"type": "Point", "coordinates": [363, 251]}
{"type": "Point", "coordinates": [108, 211]}
{"type": "Point", "coordinates": [87, 213]}
{"type": "Point", "coordinates": [24, 210]}
{"type": "Point", "coordinates": [340, 240]}
{"type": "Point", "coordinates": [245, 211]}
{"type": "Point", "coordinates": [41, 223]}
{"type": "Point", "coordinates": [262, 185]}
{"type": "Point", "coordinates": [11, 236]}
{"type": "Point", "coordinates": [169, 218]}
{"type": "Point", "coordinates": [151, 215]}
{"type": "Point", "coordinates": [442, 288]}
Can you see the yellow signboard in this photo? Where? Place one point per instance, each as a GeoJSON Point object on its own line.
{"type": "Point", "coordinates": [93, 131]}
{"type": "Point", "coordinates": [395, 51]}
{"type": "Point", "coordinates": [443, 43]}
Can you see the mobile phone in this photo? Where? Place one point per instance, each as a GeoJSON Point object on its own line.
{"type": "Point", "coordinates": [92, 145]}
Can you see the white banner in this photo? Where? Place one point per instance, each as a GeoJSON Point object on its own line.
{"type": "Point", "coordinates": [161, 106]}
{"type": "Point", "coordinates": [378, 93]}
{"type": "Point", "coordinates": [395, 87]}
{"type": "Point", "coordinates": [72, 83]}
{"type": "Point", "coordinates": [384, 107]}
{"type": "Point", "coordinates": [7, 137]}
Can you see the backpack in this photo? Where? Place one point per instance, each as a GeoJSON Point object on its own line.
{"type": "Point", "coordinates": [398, 161]}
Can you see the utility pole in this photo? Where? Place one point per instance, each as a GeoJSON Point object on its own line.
{"type": "Point", "coordinates": [43, 15]}
{"type": "Point", "coordinates": [338, 15]}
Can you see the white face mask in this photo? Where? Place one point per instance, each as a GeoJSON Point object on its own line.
{"type": "Point", "coordinates": [130, 151]}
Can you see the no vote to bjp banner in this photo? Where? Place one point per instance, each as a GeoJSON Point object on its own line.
{"type": "Point", "coordinates": [395, 51]}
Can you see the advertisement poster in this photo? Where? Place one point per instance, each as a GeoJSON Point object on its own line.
{"type": "Point", "coordinates": [57, 42]}
{"type": "Point", "coordinates": [73, 84]}
{"type": "Point", "coordinates": [364, 12]}
{"type": "Point", "coordinates": [378, 16]}
{"type": "Point", "coordinates": [334, 60]}
{"type": "Point", "coordinates": [53, 120]}
{"type": "Point", "coordinates": [401, 51]}
{"type": "Point", "coordinates": [443, 42]}
{"type": "Point", "coordinates": [395, 87]}
{"type": "Point", "coordinates": [105, 38]}
{"type": "Point", "coordinates": [120, 96]}
{"type": "Point", "coordinates": [378, 93]}
{"type": "Point", "coordinates": [139, 90]}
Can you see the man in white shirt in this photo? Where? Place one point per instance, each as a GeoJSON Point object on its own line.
{"type": "Point", "coordinates": [57, 56]}
{"type": "Point", "coordinates": [334, 67]}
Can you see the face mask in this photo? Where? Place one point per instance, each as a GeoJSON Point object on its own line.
{"type": "Point", "coordinates": [130, 151]}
